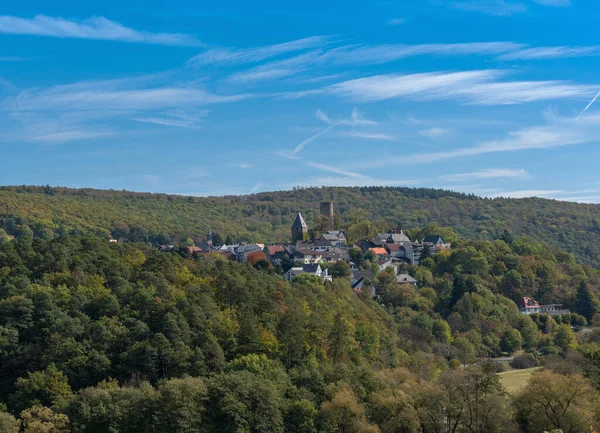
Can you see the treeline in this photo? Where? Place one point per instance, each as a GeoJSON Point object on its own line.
{"type": "Point", "coordinates": [101, 337]}
{"type": "Point", "coordinates": [267, 217]}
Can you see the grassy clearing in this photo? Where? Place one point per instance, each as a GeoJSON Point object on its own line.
{"type": "Point", "coordinates": [514, 380]}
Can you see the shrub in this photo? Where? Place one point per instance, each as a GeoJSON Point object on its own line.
{"type": "Point", "coordinates": [526, 360]}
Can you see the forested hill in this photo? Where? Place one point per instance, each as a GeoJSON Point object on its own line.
{"type": "Point", "coordinates": [266, 217]}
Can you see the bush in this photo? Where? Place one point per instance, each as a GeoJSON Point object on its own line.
{"type": "Point", "coordinates": [524, 361]}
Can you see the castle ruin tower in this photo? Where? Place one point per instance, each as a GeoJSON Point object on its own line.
{"type": "Point", "coordinates": [327, 211]}
{"type": "Point", "coordinates": [299, 229]}
{"type": "Point", "coordinates": [209, 237]}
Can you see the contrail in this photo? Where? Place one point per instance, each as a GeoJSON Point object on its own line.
{"type": "Point", "coordinates": [588, 105]}
{"type": "Point", "coordinates": [309, 139]}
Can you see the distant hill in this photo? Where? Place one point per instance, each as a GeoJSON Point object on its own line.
{"type": "Point", "coordinates": [267, 217]}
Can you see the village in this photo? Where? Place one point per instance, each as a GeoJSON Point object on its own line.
{"type": "Point", "coordinates": [387, 251]}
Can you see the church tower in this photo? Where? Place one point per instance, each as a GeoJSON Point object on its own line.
{"type": "Point", "coordinates": [209, 239]}
{"type": "Point", "coordinates": [299, 229]}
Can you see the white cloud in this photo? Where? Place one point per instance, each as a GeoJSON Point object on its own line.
{"type": "Point", "coordinates": [471, 87]}
{"type": "Point", "coordinates": [71, 135]}
{"type": "Point", "coordinates": [486, 174]}
{"type": "Point", "coordinates": [177, 118]}
{"type": "Point", "coordinates": [551, 53]}
{"type": "Point", "coordinates": [255, 188]}
{"type": "Point", "coordinates": [353, 181]}
{"type": "Point", "coordinates": [379, 54]}
{"type": "Point", "coordinates": [367, 135]}
{"type": "Point", "coordinates": [229, 57]}
{"type": "Point", "coordinates": [356, 119]}
{"type": "Point", "coordinates": [336, 170]}
{"type": "Point", "coordinates": [396, 21]}
{"type": "Point", "coordinates": [12, 59]}
{"type": "Point", "coordinates": [242, 165]}
{"type": "Point", "coordinates": [277, 69]}
{"type": "Point", "coordinates": [91, 28]}
{"type": "Point", "coordinates": [555, 3]}
{"type": "Point", "coordinates": [117, 95]}
{"type": "Point", "coordinates": [435, 133]}
{"type": "Point", "coordinates": [491, 7]}
{"type": "Point", "coordinates": [310, 139]}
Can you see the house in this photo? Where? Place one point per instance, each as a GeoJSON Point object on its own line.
{"type": "Point", "coordinates": [384, 264]}
{"type": "Point", "coordinates": [193, 249]}
{"type": "Point", "coordinates": [278, 253]}
{"type": "Point", "coordinates": [244, 249]}
{"type": "Point", "coordinates": [380, 252]}
{"type": "Point", "coordinates": [531, 306]}
{"type": "Point", "coordinates": [406, 279]}
{"type": "Point", "coordinates": [337, 236]}
{"type": "Point", "coordinates": [394, 236]}
{"type": "Point", "coordinates": [309, 269]}
{"type": "Point", "coordinates": [435, 240]}
{"type": "Point", "coordinates": [361, 281]}
{"type": "Point", "coordinates": [306, 257]}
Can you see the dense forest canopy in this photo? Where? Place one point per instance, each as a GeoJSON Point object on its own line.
{"type": "Point", "coordinates": [267, 217]}
{"type": "Point", "coordinates": [106, 337]}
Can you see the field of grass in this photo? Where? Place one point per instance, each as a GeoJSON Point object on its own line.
{"type": "Point", "coordinates": [514, 380]}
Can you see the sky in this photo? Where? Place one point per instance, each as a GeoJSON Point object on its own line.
{"type": "Point", "coordinates": [490, 97]}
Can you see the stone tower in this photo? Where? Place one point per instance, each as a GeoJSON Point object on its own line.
{"type": "Point", "coordinates": [209, 238]}
{"type": "Point", "coordinates": [299, 229]}
{"type": "Point", "coordinates": [327, 211]}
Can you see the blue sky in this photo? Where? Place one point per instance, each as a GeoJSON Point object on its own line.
{"type": "Point", "coordinates": [214, 98]}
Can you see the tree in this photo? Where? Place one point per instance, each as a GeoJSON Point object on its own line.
{"type": "Point", "coordinates": [564, 338]}
{"type": "Point", "coordinates": [255, 257]}
{"type": "Point", "coordinates": [586, 303]}
{"type": "Point", "coordinates": [340, 269]}
{"type": "Point", "coordinates": [301, 417]}
{"type": "Point", "coordinates": [40, 419]}
{"type": "Point", "coordinates": [553, 401]}
{"type": "Point", "coordinates": [511, 341]}
{"type": "Point", "coordinates": [8, 423]}
{"type": "Point", "coordinates": [344, 413]}
{"type": "Point", "coordinates": [45, 388]}
{"type": "Point", "coordinates": [243, 402]}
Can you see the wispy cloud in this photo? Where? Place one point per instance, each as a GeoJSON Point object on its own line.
{"type": "Point", "coordinates": [310, 139]}
{"type": "Point", "coordinates": [353, 181]}
{"type": "Point", "coordinates": [435, 133]}
{"type": "Point", "coordinates": [92, 28]}
{"type": "Point", "coordinates": [256, 188]}
{"type": "Point", "coordinates": [490, 173]}
{"type": "Point", "coordinates": [117, 95]}
{"type": "Point", "coordinates": [12, 59]}
{"type": "Point", "coordinates": [396, 21]}
{"type": "Point", "coordinates": [367, 135]}
{"type": "Point", "coordinates": [67, 136]}
{"type": "Point", "coordinates": [555, 3]}
{"type": "Point", "coordinates": [471, 87]}
{"type": "Point", "coordinates": [242, 165]}
{"type": "Point", "coordinates": [177, 118]}
{"type": "Point", "coordinates": [336, 170]}
{"type": "Point", "coordinates": [277, 69]}
{"type": "Point", "coordinates": [563, 132]}
{"type": "Point", "coordinates": [490, 7]}
{"type": "Point", "coordinates": [356, 119]}
{"type": "Point", "coordinates": [551, 53]}
{"type": "Point", "coordinates": [230, 57]}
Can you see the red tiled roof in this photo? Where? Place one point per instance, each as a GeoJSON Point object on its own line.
{"type": "Point", "coordinates": [378, 251]}
{"type": "Point", "coordinates": [275, 248]}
